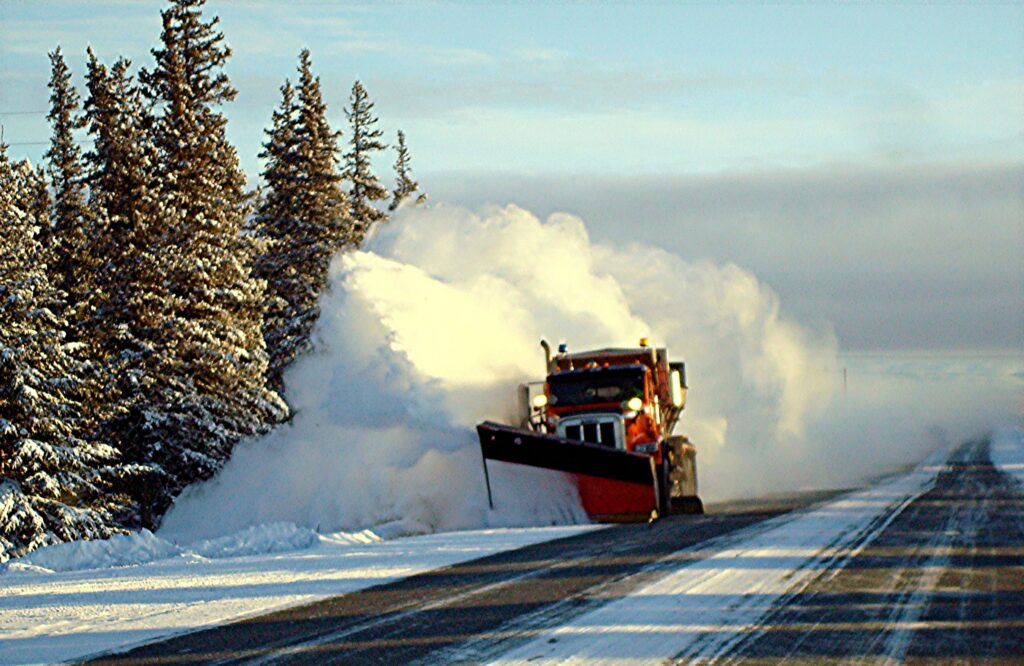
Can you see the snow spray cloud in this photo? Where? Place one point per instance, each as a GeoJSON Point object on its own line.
{"type": "Point", "coordinates": [428, 332]}
{"type": "Point", "coordinates": [430, 329]}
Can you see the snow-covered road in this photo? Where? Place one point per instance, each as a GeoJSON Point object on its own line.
{"type": "Point", "coordinates": [159, 589]}
{"type": "Point", "coordinates": [866, 573]}
{"type": "Point", "coordinates": [704, 608]}
{"type": "Point", "coordinates": [924, 567]}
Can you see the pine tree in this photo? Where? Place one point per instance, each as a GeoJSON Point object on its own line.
{"type": "Point", "coordinates": [276, 217]}
{"type": "Point", "coordinates": [35, 200]}
{"type": "Point", "coordinates": [121, 165]}
{"type": "Point", "coordinates": [303, 218]}
{"type": "Point", "coordinates": [405, 186]}
{"type": "Point", "coordinates": [94, 270]}
{"type": "Point", "coordinates": [322, 203]}
{"type": "Point", "coordinates": [364, 141]}
{"type": "Point", "coordinates": [31, 194]}
{"type": "Point", "coordinates": [120, 171]}
{"type": "Point", "coordinates": [204, 383]}
{"type": "Point", "coordinates": [54, 486]}
{"type": "Point", "coordinates": [281, 178]}
{"type": "Point", "coordinates": [70, 213]}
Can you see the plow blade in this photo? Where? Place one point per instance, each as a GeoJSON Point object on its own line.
{"type": "Point", "coordinates": [614, 485]}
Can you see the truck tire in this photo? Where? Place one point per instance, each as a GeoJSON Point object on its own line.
{"type": "Point", "coordinates": [690, 504]}
{"type": "Point", "coordinates": [685, 498]}
{"type": "Point", "coordinates": [664, 485]}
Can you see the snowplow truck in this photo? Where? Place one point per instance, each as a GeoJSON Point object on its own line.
{"type": "Point", "coordinates": [607, 418]}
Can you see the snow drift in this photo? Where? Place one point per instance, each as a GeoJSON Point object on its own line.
{"type": "Point", "coordinates": [428, 331]}
{"type": "Point", "coordinates": [123, 550]}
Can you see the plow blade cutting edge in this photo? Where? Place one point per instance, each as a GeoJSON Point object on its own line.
{"type": "Point", "coordinates": [614, 484]}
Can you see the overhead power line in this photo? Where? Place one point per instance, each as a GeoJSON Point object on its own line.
{"type": "Point", "coordinates": [40, 143]}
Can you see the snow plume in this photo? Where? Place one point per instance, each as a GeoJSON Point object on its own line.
{"type": "Point", "coordinates": [429, 331]}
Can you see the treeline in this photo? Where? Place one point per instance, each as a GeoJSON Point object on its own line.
{"type": "Point", "coordinates": [149, 303]}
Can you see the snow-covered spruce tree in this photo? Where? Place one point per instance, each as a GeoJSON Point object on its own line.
{"type": "Point", "coordinates": [122, 195]}
{"type": "Point", "coordinates": [120, 172]}
{"type": "Point", "coordinates": [277, 218]}
{"type": "Point", "coordinates": [302, 220]}
{"type": "Point", "coordinates": [36, 201]}
{"type": "Point", "coordinates": [76, 266]}
{"type": "Point", "coordinates": [204, 384]}
{"type": "Point", "coordinates": [54, 486]}
{"type": "Point", "coordinates": [405, 186]}
{"type": "Point", "coordinates": [364, 140]}
{"type": "Point", "coordinates": [70, 212]}
{"type": "Point", "coordinates": [280, 188]}
{"type": "Point", "coordinates": [120, 167]}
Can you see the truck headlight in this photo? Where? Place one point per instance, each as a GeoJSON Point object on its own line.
{"type": "Point", "coordinates": [540, 401]}
{"type": "Point", "coordinates": [635, 404]}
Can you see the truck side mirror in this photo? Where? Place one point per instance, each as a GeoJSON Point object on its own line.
{"type": "Point", "coordinates": [676, 390]}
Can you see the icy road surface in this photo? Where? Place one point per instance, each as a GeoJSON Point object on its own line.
{"type": "Point", "coordinates": [927, 566]}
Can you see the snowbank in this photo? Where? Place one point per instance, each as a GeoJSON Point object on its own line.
{"type": "Point", "coordinates": [117, 551]}
{"type": "Point", "coordinates": [143, 547]}
{"type": "Point", "coordinates": [257, 540]}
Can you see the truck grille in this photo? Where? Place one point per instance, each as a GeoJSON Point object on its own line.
{"type": "Point", "coordinates": [593, 433]}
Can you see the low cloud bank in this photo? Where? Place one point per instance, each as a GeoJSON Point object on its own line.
{"type": "Point", "coordinates": [932, 251]}
{"type": "Point", "coordinates": [428, 331]}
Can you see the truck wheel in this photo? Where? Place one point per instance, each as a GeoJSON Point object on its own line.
{"type": "Point", "coordinates": [691, 501]}
{"type": "Point", "coordinates": [664, 486]}
{"type": "Point", "coordinates": [688, 504]}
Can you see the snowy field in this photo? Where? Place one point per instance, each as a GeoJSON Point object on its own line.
{"type": "Point", "coordinates": [80, 599]}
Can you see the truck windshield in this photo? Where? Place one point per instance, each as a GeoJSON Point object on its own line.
{"type": "Point", "coordinates": [583, 387]}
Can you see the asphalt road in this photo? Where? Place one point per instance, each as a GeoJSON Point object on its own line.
{"type": "Point", "coordinates": [467, 605]}
{"type": "Point", "coordinates": [944, 582]}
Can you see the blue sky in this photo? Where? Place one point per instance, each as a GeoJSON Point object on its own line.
{"type": "Point", "coordinates": [906, 120]}
{"type": "Point", "coordinates": [595, 88]}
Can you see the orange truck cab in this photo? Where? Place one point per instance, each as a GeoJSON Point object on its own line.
{"type": "Point", "coordinates": [606, 417]}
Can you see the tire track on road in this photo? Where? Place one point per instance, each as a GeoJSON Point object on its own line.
{"type": "Point", "coordinates": [699, 610]}
{"type": "Point", "coordinates": [474, 601]}
{"type": "Point", "coordinates": [944, 581]}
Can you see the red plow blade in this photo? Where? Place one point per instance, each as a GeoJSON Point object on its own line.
{"type": "Point", "coordinates": [614, 485]}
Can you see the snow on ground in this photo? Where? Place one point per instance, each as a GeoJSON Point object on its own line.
{"type": "Point", "coordinates": [1007, 451]}
{"type": "Point", "coordinates": [142, 547]}
{"type": "Point", "coordinates": [707, 605]}
{"type": "Point", "coordinates": [82, 598]}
